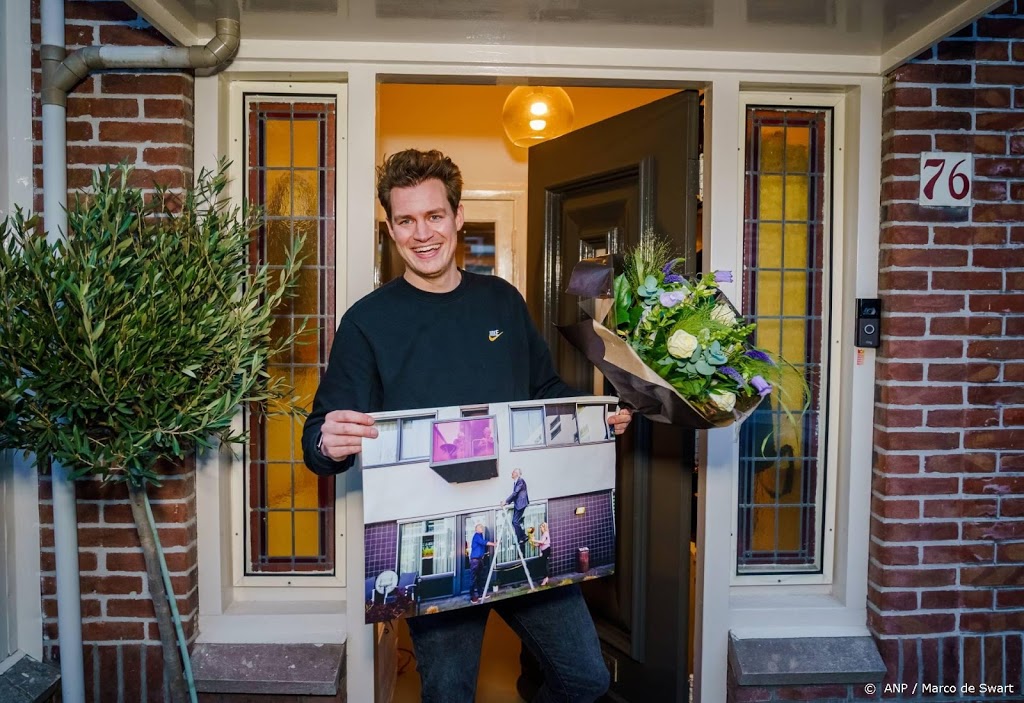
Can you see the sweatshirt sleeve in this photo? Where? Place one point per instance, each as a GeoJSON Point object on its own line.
{"type": "Point", "coordinates": [351, 382]}
{"type": "Point", "coordinates": [544, 380]}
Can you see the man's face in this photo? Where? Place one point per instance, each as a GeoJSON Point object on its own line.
{"type": "Point", "coordinates": [479, 529]}
{"type": "Point", "coordinates": [515, 474]}
{"type": "Point", "coordinates": [425, 229]}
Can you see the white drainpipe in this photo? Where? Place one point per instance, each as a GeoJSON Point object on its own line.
{"type": "Point", "coordinates": [61, 73]}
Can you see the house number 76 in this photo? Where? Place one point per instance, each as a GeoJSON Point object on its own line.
{"type": "Point", "coordinates": [946, 179]}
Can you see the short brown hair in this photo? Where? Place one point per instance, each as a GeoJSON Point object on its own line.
{"type": "Point", "coordinates": [410, 168]}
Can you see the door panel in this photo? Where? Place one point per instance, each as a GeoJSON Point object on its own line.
{"type": "Point", "coordinates": [601, 189]}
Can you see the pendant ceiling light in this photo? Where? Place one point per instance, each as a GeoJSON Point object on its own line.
{"type": "Point", "coordinates": [535, 114]}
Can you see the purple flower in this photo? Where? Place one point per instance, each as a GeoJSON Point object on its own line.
{"type": "Point", "coordinates": [723, 276]}
{"type": "Point", "coordinates": [733, 374]}
{"type": "Point", "coordinates": [758, 355]}
{"type": "Point", "coordinates": [672, 298]}
{"type": "Point", "coordinates": [667, 268]}
{"type": "Point", "coordinates": [760, 385]}
{"type": "Point", "coordinates": [673, 278]}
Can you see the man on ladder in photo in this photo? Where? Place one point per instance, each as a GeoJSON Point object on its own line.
{"type": "Point", "coordinates": [505, 528]}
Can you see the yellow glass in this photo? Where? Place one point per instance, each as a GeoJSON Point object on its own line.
{"type": "Point", "coordinates": [768, 304]}
{"type": "Point", "coordinates": [279, 239]}
{"type": "Point", "coordinates": [307, 534]}
{"type": "Point", "coordinates": [770, 198]}
{"type": "Point", "coordinates": [306, 380]}
{"type": "Point", "coordinates": [306, 193]}
{"type": "Point", "coordinates": [279, 194]}
{"type": "Point", "coordinates": [307, 488]}
{"type": "Point", "coordinates": [798, 141]}
{"type": "Point", "coordinates": [771, 146]}
{"type": "Point", "coordinates": [279, 438]}
{"type": "Point", "coordinates": [769, 246]}
{"type": "Point", "coordinates": [306, 134]}
{"type": "Point", "coordinates": [796, 246]}
{"type": "Point", "coordinates": [279, 486]}
{"type": "Point", "coordinates": [794, 293]}
{"type": "Point", "coordinates": [307, 290]}
{"type": "Point", "coordinates": [277, 143]}
{"type": "Point", "coordinates": [279, 534]}
{"type": "Point", "coordinates": [796, 197]}
{"type": "Point", "coordinates": [789, 528]}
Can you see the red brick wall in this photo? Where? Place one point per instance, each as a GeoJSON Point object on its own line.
{"type": "Point", "coordinates": [145, 119]}
{"type": "Point", "coordinates": [946, 578]}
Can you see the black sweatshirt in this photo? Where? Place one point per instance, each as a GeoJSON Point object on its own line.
{"type": "Point", "coordinates": [401, 348]}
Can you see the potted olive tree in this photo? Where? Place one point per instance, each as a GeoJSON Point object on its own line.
{"type": "Point", "coordinates": [135, 339]}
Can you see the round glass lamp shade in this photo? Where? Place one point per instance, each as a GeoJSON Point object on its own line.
{"type": "Point", "coordinates": [534, 114]}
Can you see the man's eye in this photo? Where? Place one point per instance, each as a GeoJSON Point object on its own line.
{"type": "Point", "coordinates": [435, 218]}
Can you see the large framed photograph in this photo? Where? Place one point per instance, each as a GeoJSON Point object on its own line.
{"type": "Point", "coordinates": [466, 505]}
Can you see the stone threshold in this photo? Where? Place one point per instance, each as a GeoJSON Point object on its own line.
{"type": "Point", "coordinates": [791, 661]}
{"type": "Point", "coordinates": [27, 681]}
{"type": "Point", "coordinates": [269, 669]}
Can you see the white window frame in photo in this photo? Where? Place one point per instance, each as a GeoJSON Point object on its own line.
{"type": "Point", "coordinates": [832, 337]}
{"type": "Point", "coordinates": [235, 606]}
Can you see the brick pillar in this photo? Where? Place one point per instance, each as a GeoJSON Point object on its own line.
{"type": "Point", "coordinates": [946, 578]}
{"type": "Point", "coordinates": [146, 120]}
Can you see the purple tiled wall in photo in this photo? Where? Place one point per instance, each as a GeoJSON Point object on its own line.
{"type": "Point", "coordinates": [381, 547]}
{"type": "Point", "coordinates": [594, 529]}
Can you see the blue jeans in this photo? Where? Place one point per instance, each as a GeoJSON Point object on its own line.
{"type": "Point", "coordinates": [554, 624]}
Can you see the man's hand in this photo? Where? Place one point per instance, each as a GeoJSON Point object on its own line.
{"type": "Point", "coordinates": [620, 420]}
{"type": "Point", "coordinates": [343, 432]}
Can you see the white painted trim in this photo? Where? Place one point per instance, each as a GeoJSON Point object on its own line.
{"type": "Point", "coordinates": [170, 18]}
{"type": "Point", "coordinates": [15, 106]}
{"type": "Point", "coordinates": [277, 622]}
{"type": "Point", "coordinates": [236, 126]}
{"type": "Point", "coordinates": [227, 595]}
{"type": "Point", "coordinates": [800, 609]}
{"type": "Point", "coordinates": [938, 29]}
{"type": "Point", "coordinates": [723, 191]}
{"type": "Point", "coordinates": [502, 60]}
{"type": "Point", "coordinates": [362, 158]}
{"type": "Point", "coordinates": [833, 284]}
{"type": "Point", "coordinates": [507, 209]}
{"type": "Point", "coordinates": [21, 509]}
{"type": "Point", "coordinates": [722, 129]}
{"type": "Point", "coordinates": [21, 514]}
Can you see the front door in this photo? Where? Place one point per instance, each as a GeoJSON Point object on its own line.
{"type": "Point", "coordinates": [600, 190]}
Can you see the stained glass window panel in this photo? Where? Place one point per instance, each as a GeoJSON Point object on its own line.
{"type": "Point", "coordinates": [291, 176]}
{"type": "Point", "coordinates": [781, 481]}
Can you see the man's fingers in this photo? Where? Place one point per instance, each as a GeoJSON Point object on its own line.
{"type": "Point", "coordinates": [348, 416]}
{"type": "Point", "coordinates": [348, 429]}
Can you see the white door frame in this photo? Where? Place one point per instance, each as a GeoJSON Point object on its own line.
{"type": "Point", "coordinates": [507, 210]}
{"type": "Point", "coordinates": [722, 74]}
{"type": "Point", "coordinates": [19, 482]}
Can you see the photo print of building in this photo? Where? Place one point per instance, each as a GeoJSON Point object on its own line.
{"type": "Point", "coordinates": [464, 505]}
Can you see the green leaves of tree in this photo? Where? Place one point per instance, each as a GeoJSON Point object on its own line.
{"type": "Point", "coordinates": [140, 335]}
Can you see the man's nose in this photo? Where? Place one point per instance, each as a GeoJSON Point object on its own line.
{"type": "Point", "coordinates": [423, 232]}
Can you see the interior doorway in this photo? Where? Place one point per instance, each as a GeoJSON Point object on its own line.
{"type": "Point", "coordinates": [464, 121]}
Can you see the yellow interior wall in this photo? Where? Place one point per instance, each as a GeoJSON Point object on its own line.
{"type": "Point", "coordinates": [464, 121]}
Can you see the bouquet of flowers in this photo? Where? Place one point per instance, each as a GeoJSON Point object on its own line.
{"type": "Point", "coordinates": [675, 348]}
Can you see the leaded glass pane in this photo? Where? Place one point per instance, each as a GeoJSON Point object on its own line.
{"type": "Point", "coordinates": [781, 477]}
{"type": "Point", "coordinates": [291, 175]}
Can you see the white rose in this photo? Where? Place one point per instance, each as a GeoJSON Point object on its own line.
{"type": "Point", "coordinates": [723, 400]}
{"type": "Point", "coordinates": [723, 314]}
{"type": "Point", "coordinates": [682, 344]}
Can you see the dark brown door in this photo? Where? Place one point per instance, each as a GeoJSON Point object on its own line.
{"type": "Point", "coordinates": [599, 190]}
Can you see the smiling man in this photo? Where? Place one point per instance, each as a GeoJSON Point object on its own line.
{"type": "Point", "coordinates": [438, 337]}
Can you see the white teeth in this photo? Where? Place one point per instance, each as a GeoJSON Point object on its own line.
{"type": "Point", "coordinates": [423, 250]}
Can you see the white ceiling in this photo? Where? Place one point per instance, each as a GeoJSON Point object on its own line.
{"type": "Point", "coordinates": [890, 29]}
